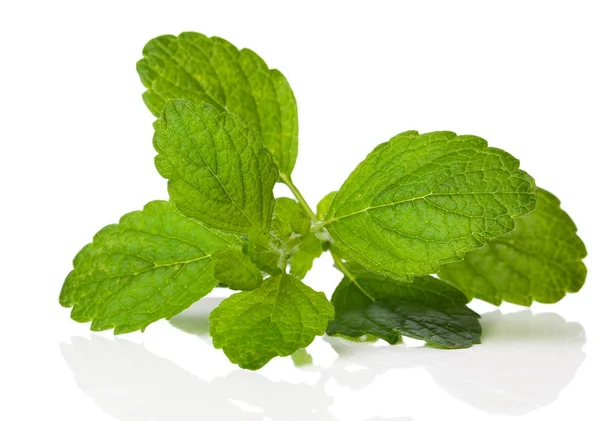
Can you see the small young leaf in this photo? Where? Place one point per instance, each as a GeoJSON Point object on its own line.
{"type": "Point", "coordinates": [419, 201]}
{"type": "Point", "coordinates": [324, 205]}
{"type": "Point", "coordinates": [265, 253]}
{"type": "Point", "coordinates": [153, 264]}
{"type": "Point", "coordinates": [307, 251]}
{"type": "Point", "coordinates": [540, 260]}
{"type": "Point", "coordinates": [302, 358]}
{"type": "Point", "coordinates": [234, 269]}
{"type": "Point", "coordinates": [201, 69]}
{"type": "Point", "coordinates": [289, 220]}
{"type": "Point", "coordinates": [291, 227]}
{"type": "Point", "coordinates": [277, 318]}
{"type": "Point", "coordinates": [426, 309]}
{"type": "Point", "coordinates": [217, 168]}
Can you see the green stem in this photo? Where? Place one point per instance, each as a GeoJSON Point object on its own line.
{"type": "Point", "coordinates": [317, 225]}
{"type": "Point", "coordinates": [288, 182]}
{"type": "Point", "coordinates": [342, 267]}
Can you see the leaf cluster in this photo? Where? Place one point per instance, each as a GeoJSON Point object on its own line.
{"type": "Point", "coordinates": [418, 205]}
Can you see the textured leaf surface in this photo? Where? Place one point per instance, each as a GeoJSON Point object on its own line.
{"type": "Point", "coordinates": [275, 319]}
{"type": "Point", "coordinates": [290, 222]}
{"type": "Point", "coordinates": [426, 309]}
{"type": "Point", "coordinates": [152, 264]}
{"type": "Point", "coordinates": [419, 201]}
{"type": "Point", "coordinates": [539, 261]}
{"type": "Point", "coordinates": [217, 168]}
{"type": "Point", "coordinates": [234, 269]}
{"type": "Point", "coordinates": [201, 69]}
{"type": "Point", "coordinates": [265, 253]}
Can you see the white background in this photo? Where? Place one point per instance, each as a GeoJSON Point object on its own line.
{"type": "Point", "coordinates": [77, 154]}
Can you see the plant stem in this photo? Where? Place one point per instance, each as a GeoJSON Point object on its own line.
{"type": "Point", "coordinates": [342, 267]}
{"type": "Point", "coordinates": [317, 225]}
{"type": "Point", "coordinates": [288, 182]}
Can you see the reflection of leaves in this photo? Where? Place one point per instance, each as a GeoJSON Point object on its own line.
{"type": "Point", "coordinates": [131, 384]}
{"type": "Point", "coordinates": [390, 419]}
{"type": "Point", "coordinates": [529, 361]}
{"type": "Point", "coordinates": [501, 376]}
{"type": "Point", "coordinates": [523, 363]}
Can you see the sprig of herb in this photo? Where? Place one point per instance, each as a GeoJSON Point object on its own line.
{"type": "Point", "coordinates": [419, 204]}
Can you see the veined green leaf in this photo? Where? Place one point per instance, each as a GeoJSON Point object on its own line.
{"type": "Point", "coordinates": [540, 260]}
{"type": "Point", "coordinates": [426, 309]}
{"type": "Point", "coordinates": [289, 220]}
{"type": "Point", "coordinates": [232, 268]}
{"type": "Point", "coordinates": [202, 69]}
{"type": "Point", "coordinates": [217, 168]}
{"type": "Point", "coordinates": [153, 264]}
{"type": "Point", "coordinates": [276, 319]}
{"type": "Point", "coordinates": [419, 201]}
{"type": "Point", "coordinates": [266, 253]}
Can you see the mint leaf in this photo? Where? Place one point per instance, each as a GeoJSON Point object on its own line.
{"type": "Point", "coordinates": [201, 69]}
{"type": "Point", "coordinates": [540, 260]}
{"type": "Point", "coordinates": [234, 269]}
{"type": "Point", "coordinates": [419, 201]}
{"type": "Point", "coordinates": [227, 132]}
{"type": "Point", "coordinates": [302, 358]}
{"type": "Point", "coordinates": [266, 253]}
{"type": "Point", "coordinates": [291, 227]}
{"type": "Point", "coordinates": [153, 264]}
{"type": "Point", "coordinates": [277, 318]}
{"type": "Point", "coordinates": [290, 222]}
{"type": "Point", "coordinates": [324, 205]}
{"type": "Point", "coordinates": [217, 168]}
{"type": "Point", "coordinates": [307, 251]}
{"type": "Point", "coordinates": [426, 309]}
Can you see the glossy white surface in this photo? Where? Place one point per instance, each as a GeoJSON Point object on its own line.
{"type": "Point", "coordinates": [77, 155]}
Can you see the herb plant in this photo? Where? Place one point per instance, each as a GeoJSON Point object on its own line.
{"type": "Point", "coordinates": [419, 204]}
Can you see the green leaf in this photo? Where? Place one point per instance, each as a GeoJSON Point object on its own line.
{"type": "Point", "coordinates": [152, 264]}
{"type": "Point", "coordinates": [265, 253]}
{"type": "Point", "coordinates": [419, 201]}
{"type": "Point", "coordinates": [277, 318]}
{"type": "Point", "coordinates": [217, 168]}
{"type": "Point", "coordinates": [307, 251]}
{"type": "Point", "coordinates": [324, 205]}
{"type": "Point", "coordinates": [291, 227]}
{"type": "Point", "coordinates": [426, 309]}
{"type": "Point", "coordinates": [289, 220]}
{"type": "Point", "coordinates": [302, 358]}
{"type": "Point", "coordinates": [234, 269]}
{"type": "Point", "coordinates": [201, 69]}
{"type": "Point", "coordinates": [540, 260]}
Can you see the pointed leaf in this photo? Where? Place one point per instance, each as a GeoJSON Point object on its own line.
{"type": "Point", "coordinates": [202, 69]}
{"type": "Point", "coordinates": [539, 261]}
{"type": "Point", "coordinates": [232, 268]}
{"type": "Point", "coordinates": [277, 318]}
{"type": "Point", "coordinates": [419, 201]}
{"type": "Point", "coordinates": [153, 264]}
{"type": "Point", "coordinates": [426, 309]}
{"type": "Point", "coordinates": [217, 168]}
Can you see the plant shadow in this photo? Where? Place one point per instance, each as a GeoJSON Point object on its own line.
{"type": "Point", "coordinates": [523, 364]}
